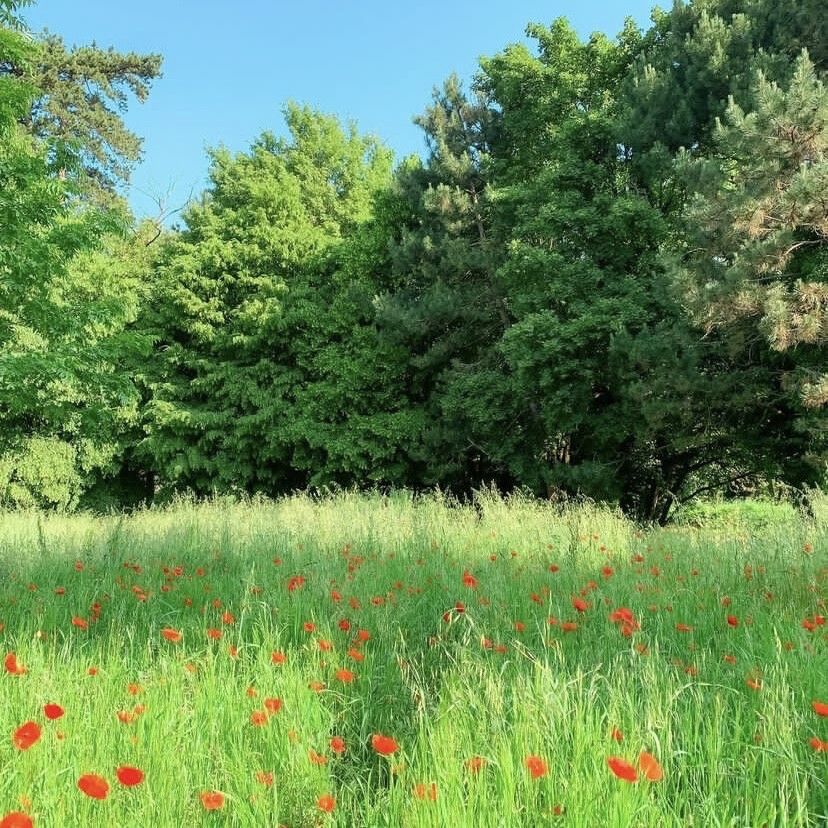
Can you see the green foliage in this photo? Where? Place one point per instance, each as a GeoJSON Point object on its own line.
{"type": "Point", "coordinates": [240, 305]}
{"type": "Point", "coordinates": [61, 319]}
{"type": "Point", "coordinates": [757, 229]}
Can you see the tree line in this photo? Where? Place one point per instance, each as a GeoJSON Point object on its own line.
{"type": "Point", "coordinates": [607, 277]}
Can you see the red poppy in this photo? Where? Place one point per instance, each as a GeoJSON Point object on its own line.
{"type": "Point", "coordinates": [317, 758]}
{"type": "Point", "coordinates": [684, 628]}
{"type": "Point", "coordinates": [617, 735]}
{"type": "Point", "coordinates": [650, 767]}
{"type": "Point", "coordinates": [214, 633]}
{"type": "Point", "coordinates": [345, 676]}
{"type": "Point", "coordinates": [337, 744]}
{"type": "Point", "coordinates": [129, 776]}
{"type": "Point", "coordinates": [80, 623]}
{"type": "Point", "coordinates": [820, 708]}
{"type": "Point", "coordinates": [422, 791]}
{"type": "Point", "coordinates": [477, 763]}
{"type": "Point", "coordinates": [383, 744]}
{"type": "Point", "coordinates": [579, 604]}
{"type": "Point", "coordinates": [171, 634]}
{"type": "Point", "coordinates": [326, 803]}
{"type": "Point", "coordinates": [212, 800]}
{"type": "Point", "coordinates": [622, 769]}
{"type": "Point", "coordinates": [13, 666]}
{"type": "Point", "coordinates": [273, 705]}
{"type": "Point", "coordinates": [16, 819]}
{"type": "Point", "coordinates": [266, 778]}
{"type": "Point", "coordinates": [469, 580]}
{"type": "Point", "coordinates": [258, 718]}
{"type": "Point", "coordinates": [537, 767]}
{"type": "Point", "coordinates": [295, 582]}
{"type": "Point", "coordinates": [278, 657]}
{"type": "Point", "coordinates": [732, 621]}
{"type": "Point", "coordinates": [52, 711]}
{"type": "Point", "coordinates": [818, 745]}
{"type": "Point", "coordinates": [26, 735]}
{"type": "Point", "coordinates": [93, 785]}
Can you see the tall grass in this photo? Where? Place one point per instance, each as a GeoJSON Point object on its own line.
{"type": "Point", "coordinates": [456, 621]}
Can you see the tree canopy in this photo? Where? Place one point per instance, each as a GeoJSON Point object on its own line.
{"type": "Point", "coordinates": [607, 278]}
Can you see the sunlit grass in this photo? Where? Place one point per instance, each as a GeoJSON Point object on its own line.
{"type": "Point", "coordinates": [458, 632]}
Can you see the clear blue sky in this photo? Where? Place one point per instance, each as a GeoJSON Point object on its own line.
{"type": "Point", "coordinates": [230, 66]}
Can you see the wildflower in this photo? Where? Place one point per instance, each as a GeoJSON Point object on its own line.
{"type": "Point", "coordinates": [337, 744]}
{"type": "Point", "coordinates": [326, 803]}
{"type": "Point", "coordinates": [477, 763]}
{"type": "Point", "coordinates": [422, 791]}
{"type": "Point", "coordinates": [16, 819]}
{"type": "Point", "coordinates": [272, 705]}
{"type": "Point", "coordinates": [26, 735]}
{"type": "Point", "coordinates": [79, 622]}
{"type": "Point", "coordinates": [383, 744]}
{"type": "Point", "coordinates": [171, 635]}
{"type": "Point", "coordinates": [212, 800]}
{"type": "Point", "coordinates": [129, 776]}
{"type": "Point", "coordinates": [13, 666]}
{"type": "Point", "coordinates": [469, 580]}
{"type": "Point", "coordinates": [650, 767]}
{"type": "Point", "coordinates": [537, 767]}
{"type": "Point", "coordinates": [617, 735]}
{"type": "Point", "coordinates": [732, 621]}
{"type": "Point", "coordinates": [265, 778]}
{"type": "Point", "coordinates": [295, 582]}
{"type": "Point", "coordinates": [345, 676]}
{"type": "Point", "coordinates": [258, 718]}
{"type": "Point", "coordinates": [52, 711]}
{"type": "Point", "coordinates": [278, 657]}
{"type": "Point", "coordinates": [94, 786]}
{"type": "Point", "coordinates": [579, 604]}
{"type": "Point", "coordinates": [820, 708]}
{"type": "Point", "coordinates": [818, 745]}
{"type": "Point", "coordinates": [317, 758]}
{"type": "Point", "coordinates": [622, 769]}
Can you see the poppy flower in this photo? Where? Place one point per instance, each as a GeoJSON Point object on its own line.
{"type": "Point", "coordinates": [94, 786]}
{"type": "Point", "coordinates": [129, 776]}
{"type": "Point", "coordinates": [345, 676]}
{"type": "Point", "coordinates": [317, 758]}
{"type": "Point", "coordinates": [622, 769]}
{"type": "Point", "coordinates": [650, 767]}
{"type": "Point", "coordinates": [537, 767]}
{"type": "Point", "coordinates": [383, 744]}
{"type": "Point", "coordinates": [820, 708]}
{"type": "Point", "coordinates": [214, 633]}
{"type": "Point", "coordinates": [477, 763]}
{"type": "Point", "coordinates": [273, 705]}
{"type": "Point", "coordinates": [422, 791]}
{"type": "Point", "coordinates": [278, 657]}
{"type": "Point", "coordinates": [171, 634]}
{"type": "Point", "coordinates": [13, 666]}
{"type": "Point", "coordinates": [337, 744]}
{"type": "Point", "coordinates": [579, 604]}
{"type": "Point", "coordinates": [52, 711]}
{"type": "Point", "coordinates": [265, 777]}
{"type": "Point", "coordinates": [617, 735]}
{"type": "Point", "coordinates": [818, 745]}
{"type": "Point", "coordinates": [469, 580]}
{"type": "Point", "coordinates": [26, 735]}
{"type": "Point", "coordinates": [326, 803]}
{"type": "Point", "coordinates": [732, 621]}
{"type": "Point", "coordinates": [16, 819]}
{"type": "Point", "coordinates": [258, 718]}
{"type": "Point", "coordinates": [212, 800]}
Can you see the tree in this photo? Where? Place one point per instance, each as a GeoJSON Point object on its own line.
{"type": "Point", "coordinates": [238, 297]}
{"type": "Point", "coordinates": [61, 328]}
{"type": "Point", "coordinates": [83, 93]}
{"type": "Point", "coordinates": [756, 256]}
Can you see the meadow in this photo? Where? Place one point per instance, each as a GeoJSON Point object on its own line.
{"type": "Point", "coordinates": [395, 661]}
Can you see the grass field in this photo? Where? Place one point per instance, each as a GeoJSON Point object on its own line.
{"type": "Point", "coordinates": [372, 661]}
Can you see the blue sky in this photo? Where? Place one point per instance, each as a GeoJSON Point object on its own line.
{"type": "Point", "coordinates": [230, 67]}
